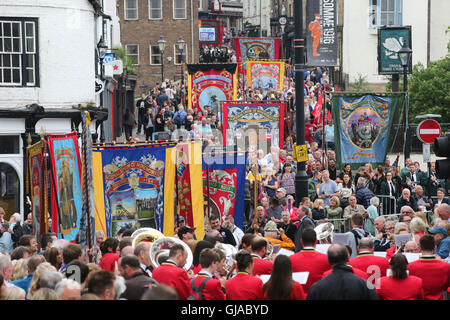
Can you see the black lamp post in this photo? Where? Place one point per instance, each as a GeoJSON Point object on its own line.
{"type": "Point", "coordinates": [301, 178]}
{"type": "Point", "coordinates": [101, 46]}
{"type": "Point", "coordinates": [143, 87]}
{"type": "Point", "coordinates": [180, 45]}
{"type": "Point", "coordinates": [405, 54]}
{"type": "Point", "coordinates": [162, 47]}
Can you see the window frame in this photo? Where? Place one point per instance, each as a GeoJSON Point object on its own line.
{"type": "Point", "coordinates": [152, 55]}
{"type": "Point", "coordinates": [150, 10]}
{"type": "Point", "coordinates": [138, 53]}
{"type": "Point", "coordinates": [185, 54]}
{"type": "Point", "coordinates": [125, 16]}
{"type": "Point", "coordinates": [398, 14]}
{"type": "Point", "coordinates": [23, 54]}
{"type": "Point", "coordinates": [185, 10]}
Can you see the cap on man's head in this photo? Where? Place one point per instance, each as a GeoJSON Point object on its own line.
{"type": "Point", "coordinates": [281, 190]}
{"type": "Point", "coordinates": [180, 219]}
{"type": "Point", "coordinates": [439, 229]}
{"type": "Point", "coordinates": [183, 230]}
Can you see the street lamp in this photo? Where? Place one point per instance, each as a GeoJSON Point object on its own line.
{"type": "Point", "coordinates": [405, 54]}
{"type": "Point", "coordinates": [101, 47]}
{"type": "Point", "coordinates": [162, 46]}
{"type": "Point", "coordinates": [301, 178]}
{"type": "Point", "coordinates": [180, 45]}
{"type": "Point", "coordinates": [143, 87]}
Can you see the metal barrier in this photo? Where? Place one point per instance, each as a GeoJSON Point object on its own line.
{"type": "Point", "coordinates": [388, 205]}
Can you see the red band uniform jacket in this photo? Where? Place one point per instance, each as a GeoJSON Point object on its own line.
{"type": "Point", "coordinates": [244, 287]}
{"type": "Point", "coordinates": [212, 289]}
{"type": "Point", "coordinates": [170, 274]}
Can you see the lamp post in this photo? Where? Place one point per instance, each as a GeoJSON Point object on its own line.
{"type": "Point", "coordinates": [162, 46]}
{"type": "Point", "coordinates": [143, 87]}
{"type": "Point", "coordinates": [405, 54]}
{"type": "Point", "coordinates": [101, 46]}
{"type": "Point", "coordinates": [180, 45]}
{"type": "Point", "coordinates": [301, 178]}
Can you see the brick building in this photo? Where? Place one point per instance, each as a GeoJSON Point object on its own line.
{"type": "Point", "coordinates": [143, 22]}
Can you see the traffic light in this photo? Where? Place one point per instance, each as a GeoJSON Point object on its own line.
{"type": "Point", "coordinates": [442, 149]}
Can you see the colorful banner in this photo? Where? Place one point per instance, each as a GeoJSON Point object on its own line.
{"type": "Point", "coordinates": [362, 126]}
{"type": "Point", "coordinates": [87, 221]}
{"type": "Point", "coordinates": [225, 190]}
{"type": "Point", "coordinates": [66, 170]}
{"type": "Point", "coordinates": [265, 75]}
{"type": "Point", "coordinates": [321, 32]}
{"type": "Point", "coordinates": [211, 83]}
{"type": "Point", "coordinates": [37, 187]}
{"type": "Point", "coordinates": [256, 49]}
{"type": "Point", "coordinates": [134, 186]}
{"type": "Point", "coordinates": [238, 117]}
{"type": "Point", "coordinates": [189, 175]}
{"type": "Point", "coordinates": [210, 33]}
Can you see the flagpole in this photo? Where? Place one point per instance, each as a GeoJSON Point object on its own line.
{"type": "Point", "coordinates": [207, 189]}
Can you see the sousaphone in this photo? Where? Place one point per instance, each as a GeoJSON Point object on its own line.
{"type": "Point", "coordinates": [149, 235]}
{"type": "Point", "coordinates": [324, 232]}
{"type": "Point", "coordinates": [159, 252]}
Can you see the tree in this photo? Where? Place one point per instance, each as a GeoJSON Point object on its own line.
{"type": "Point", "coordinates": [360, 84]}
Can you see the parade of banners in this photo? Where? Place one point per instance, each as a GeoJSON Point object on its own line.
{"type": "Point", "coordinates": [211, 83]}
{"type": "Point", "coordinates": [238, 117]}
{"type": "Point", "coordinates": [134, 187]}
{"type": "Point", "coordinates": [189, 173]}
{"type": "Point", "coordinates": [362, 127]}
{"type": "Point", "coordinates": [265, 75]}
{"type": "Point", "coordinates": [256, 49]}
{"type": "Point", "coordinates": [321, 32]}
{"type": "Point", "coordinates": [66, 183]}
{"type": "Point", "coordinates": [37, 184]}
{"type": "Point", "coordinates": [223, 186]}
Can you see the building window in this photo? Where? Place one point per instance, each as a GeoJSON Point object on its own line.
{"type": "Point", "coordinates": [179, 9]}
{"type": "Point", "coordinates": [155, 55]}
{"type": "Point", "coordinates": [18, 52]}
{"type": "Point", "coordinates": [133, 53]}
{"type": "Point", "coordinates": [131, 10]}
{"type": "Point", "coordinates": [200, 5]}
{"type": "Point", "coordinates": [155, 9]}
{"type": "Point", "coordinates": [385, 13]}
{"type": "Point", "coordinates": [9, 145]}
{"type": "Point", "coordinates": [178, 55]}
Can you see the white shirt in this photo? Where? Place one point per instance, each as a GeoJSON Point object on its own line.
{"type": "Point", "coordinates": [144, 267]}
{"type": "Point", "coordinates": [238, 234]}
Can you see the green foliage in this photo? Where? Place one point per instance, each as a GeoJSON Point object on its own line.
{"type": "Point", "coordinates": [429, 90]}
{"type": "Point", "coordinates": [121, 54]}
{"type": "Point", "coordinates": [360, 84]}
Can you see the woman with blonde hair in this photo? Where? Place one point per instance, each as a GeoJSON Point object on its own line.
{"type": "Point", "coordinates": [418, 228]}
{"type": "Point", "coordinates": [40, 270]}
{"type": "Point", "coordinates": [318, 210]}
{"type": "Point", "coordinates": [334, 211]}
{"type": "Point", "coordinates": [422, 216]}
{"type": "Point", "coordinates": [20, 269]}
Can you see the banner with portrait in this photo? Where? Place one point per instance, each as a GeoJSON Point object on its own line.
{"type": "Point", "coordinates": [134, 187]}
{"type": "Point", "coordinates": [362, 127]}
{"type": "Point", "coordinates": [265, 75]}
{"type": "Point", "coordinates": [255, 49]}
{"type": "Point", "coordinates": [66, 175]}
{"type": "Point", "coordinates": [211, 83]}
{"type": "Point", "coordinates": [321, 32]}
{"type": "Point", "coordinates": [223, 185]}
{"type": "Point", "coordinates": [238, 117]}
{"type": "Point", "coordinates": [37, 186]}
{"type": "Point", "coordinates": [189, 175]}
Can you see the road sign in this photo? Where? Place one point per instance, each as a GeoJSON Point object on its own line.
{"type": "Point", "coordinates": [426, 153]}
{"type": "Point", "coordinates": [301, 153]}
{"type": "Point", "coordinates": [99, 86]}
{"type": "Point", "coordinates": [428, 130]}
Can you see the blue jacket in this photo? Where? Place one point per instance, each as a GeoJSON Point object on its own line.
{"type": "Point", "coordinates": [443, 249]}
{"type": "Point", "coordinates": [363, 196]}
{"type": "Point", "coordinates": [23, 283]}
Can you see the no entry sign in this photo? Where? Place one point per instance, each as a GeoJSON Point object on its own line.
{"type": "Point", "coordinates": [428, 130]}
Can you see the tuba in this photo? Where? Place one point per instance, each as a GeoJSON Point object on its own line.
{"type": "Point", "coordinates": [324, 232]}
{"type": "Point", "coordinates": [269, 251]}
{"type": "Point", "coordinates": [149, 235]}
{"type": "Point", "coordinates": [230, 254]}
{"type": "Point", "coordinates": [159, 252]}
